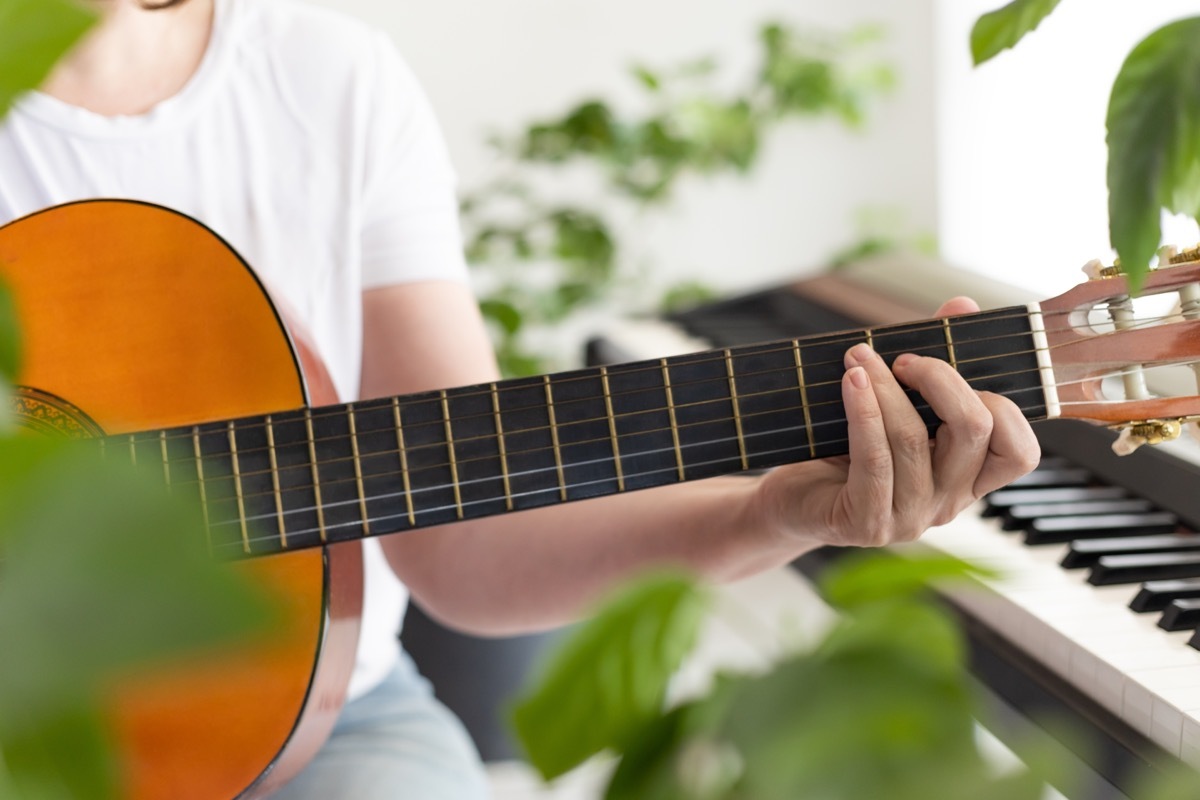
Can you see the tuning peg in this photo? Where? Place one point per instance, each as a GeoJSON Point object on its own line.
{"type": "Point", "coordinates": [1096, 270]}
{"type": "Point", "coordinates": [1181, 257]}
{"type": "Point", "coordinates": [1167, 254]}
{"type": "Point", "coordinates": [1155, 431]}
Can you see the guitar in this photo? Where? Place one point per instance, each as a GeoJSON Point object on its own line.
{"type": "Point", "coordinates": [223, 392]}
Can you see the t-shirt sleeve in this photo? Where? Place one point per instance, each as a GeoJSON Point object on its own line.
{"type": "Point", "coordinates": [410, 227]}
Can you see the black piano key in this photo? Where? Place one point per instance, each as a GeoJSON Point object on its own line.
{"type": "Point", "coordinates": [1157, 595]}
{"type": "Point", "coordinates": [1111, 570]}
{"type": "Point", "coordinates": [1000, 501]}
{"type": "Point", "coordinates": [1086, 552]}
{"type": "Point", "coordinates": [1059, 530]}
{"type": "Point", "coordinates": [1018, 517]}
{"type": "Point", "coordinates": [1181, 615]}
{"type": "Point", "coordinates": [1066, 476]}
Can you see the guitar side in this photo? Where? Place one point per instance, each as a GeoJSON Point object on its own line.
{"type": "Point", "coordinates": [141, 318]}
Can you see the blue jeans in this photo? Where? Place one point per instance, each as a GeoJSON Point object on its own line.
{"type": "Point", "coordinates": [397, 742]}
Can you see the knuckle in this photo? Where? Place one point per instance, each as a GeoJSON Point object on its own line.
{"type": "Point", "coordinates": [913, 438]}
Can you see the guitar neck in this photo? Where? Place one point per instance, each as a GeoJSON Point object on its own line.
{"type": "Point", "coordinates": [312, 477]}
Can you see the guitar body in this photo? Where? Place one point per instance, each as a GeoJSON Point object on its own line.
{"type": "Point", "coordinates": [138, 318]}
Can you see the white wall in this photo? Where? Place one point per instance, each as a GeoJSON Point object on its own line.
{"type": "Point", "coordinates": [494, 65]}
{"type": "Point", "coordinates": [1021, 158]}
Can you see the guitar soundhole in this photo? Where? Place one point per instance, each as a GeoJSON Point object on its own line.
{"type": "Point", "coordinates": [48, 414]}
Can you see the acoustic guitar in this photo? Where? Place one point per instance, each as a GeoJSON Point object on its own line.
{"type": "Point", "coordinates": [142, 327]}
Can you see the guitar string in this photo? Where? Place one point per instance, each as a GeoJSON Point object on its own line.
{"type": "Point", "coordinates": [533, 451]}
{"type": "Point", "coordinates": [240, 543]}
{"type": "Point", "coordinates": [656, 410]}
{"type": "Point", "coordinates": [718, 357]}
{"type": "Point", "coordinates": [524, 473]}
{"type": "Point", "coordinates": [439, 423]}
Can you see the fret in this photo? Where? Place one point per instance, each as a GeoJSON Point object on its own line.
{"type": "Point", "coordinates": [737, 411]}
{"type": "Point", "coordinates": [649, 451]}
{"type": "Point", "coordinates": [237, 482]}
{"type": "Point", "coordinates": [558, 459]}
{"type": "Point", "coordinates": [478, 450]}
{"type": "Point", "coordinates": [275, 492]}
{"type": "Point", "coordinates": [408, 496]}
{"type": "Point", "coordinates": [581, 426]}
{"type": "Point", "coordinates": [773, 420]}
{"type": "Point", "coordinates": [995, 353]}
{"type": "Point", "coordinates": [341, 508]}
{"type": "Point", "coordinates": [924, 339]}
{"type": "Point", "coordinates": [534, 469]}
{"type": "Point", "coordinates": [666, 373]}
{"type": "Point", "coordinates": [808, 425]}
{"type": "Point", "coordinates": [612, 428]}
{"type": "Point", "coordinates": [950, 343]}
{"type": "Point", "coordinates": [358, 476]}
{"type": "Point", "coordinates": [870, 334]}
{"type": "Point", "coordinates": [200, 485]}
{"type": "Point", "coordinates": [316, 476]}
{"type": "Point", "coordinates": [824, 366]}
{"type": "Point", "coordinates": [219, 488]}
{"type": "Point", "coordinates": [435, 493]}
{"type": "Point", "coordinates": [453, 459]}
{"type": "Point", "coordinates": [508, 501]}
{"type": "Point", "coordinates": [166, 459]}
{"type": "Point", "coordinates": [133, 449]}
{"type": "Point", "coordinates": [380, 474]}
{"type": "Point", "coordinates": [704, 410]}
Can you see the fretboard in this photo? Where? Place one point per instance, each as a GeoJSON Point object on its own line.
{"type": "Point", "coordinates": [310, 477]}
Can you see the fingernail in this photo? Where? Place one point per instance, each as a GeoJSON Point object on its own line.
{"type": "Point", "coordinates": [858, 376]}
{"type": "Point", "coordinates": [860, 353]}
{"type": "Point", "coordinates": [904, 360]}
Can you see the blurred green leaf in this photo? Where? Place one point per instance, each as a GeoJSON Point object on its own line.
{"type": "Point", "coordinates": [871, 577]}
{"type": "Point", "coordinates": [103, 572]}
{"type": "Point", "coordinates": [503, 313]}
{"type": "Point", "coordinates": [1001, 29]}
{"type": "Point", "coordinates": [686, 294]}
{"type": "Point", "coordinates": [68, 757]}
{"type": "Point", "coordinates": [647, 78]}
{"type": "Point", "coordinates": [1154, 142]}
{"type": "Point", "coordinates": [34, 34]}
{"type": "Point", "coordinates": [10, 336]}
{"type": "Point", "coordinates": [610, 677]}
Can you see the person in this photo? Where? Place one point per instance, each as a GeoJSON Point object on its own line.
{"type": "Point", "coordinates": [299, 135]}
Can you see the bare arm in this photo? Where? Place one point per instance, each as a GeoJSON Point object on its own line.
{"type": "Point", "coordinates": [536, 569]}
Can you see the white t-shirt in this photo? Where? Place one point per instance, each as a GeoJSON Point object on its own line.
{"type": "Point", "coordinates": [303, 140]}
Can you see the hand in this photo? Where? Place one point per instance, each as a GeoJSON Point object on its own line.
{"type": "Point", "coordinates": [896, 483]}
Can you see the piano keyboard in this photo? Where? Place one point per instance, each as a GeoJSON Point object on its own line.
{"type": "Point", "coordinates": [1114, 631]}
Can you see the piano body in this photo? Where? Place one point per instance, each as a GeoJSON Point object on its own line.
{"type": "Point", "coordinates": [1107, 644]}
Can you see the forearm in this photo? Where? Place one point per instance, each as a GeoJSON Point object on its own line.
{"type": "Point", "coordinates": [537, 569]}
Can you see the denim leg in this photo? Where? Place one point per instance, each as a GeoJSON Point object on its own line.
{"type": "Point", "coordinates": [397, 742]}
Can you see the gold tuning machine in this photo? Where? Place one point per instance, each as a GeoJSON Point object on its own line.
{"type": "Point", "coordinates": [1153, 431]}
{"type": "Point", "coordinates": [1097, 271]}
{"type": "Point", "coordinates": [1175, 256]}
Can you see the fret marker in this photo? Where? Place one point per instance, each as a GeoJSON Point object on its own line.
{"type": "Point", "coordinates": [358, 478]}
{"type": "Point", "coordinates": [132, 450]}
{"type": "Point", "coordinates": [612, 428]}
{"type": "Point", "coordinates": [275, 481]}
{"type": "Point", "coordinates": [508, 500]}
{"type": "Point", "coordinates": [312, 455]}
{"type": "Point", "coordinates": [950, 344]}
{"type": "Point", "coordinates": [200, 482]}
{"type": "Point", "coordinates": [408, 495]}
{"type": "Point", "coordinates": [453, 459]}
{"type": "Point", "coordinates": [237, 484]}
{"type": "Point", "coordinates": [808, 425]}
{"type": "Point", "coordinates": [870, 339]}
{"type": "Point", "coordinates": [666, 371]}
{"type": "Point", "coordinates": [558, 463]}
{"type": "Point", "coordinates": [737, 412]}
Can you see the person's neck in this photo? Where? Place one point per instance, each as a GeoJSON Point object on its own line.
{"type": "Point", "coordinates": [134, 59]}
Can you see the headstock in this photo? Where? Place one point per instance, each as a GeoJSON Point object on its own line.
{"type": "Point", "coordinates": [1105, 350]}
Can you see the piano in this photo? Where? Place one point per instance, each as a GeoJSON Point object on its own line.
{"type": "Point", "coordinates": [1095, 619]}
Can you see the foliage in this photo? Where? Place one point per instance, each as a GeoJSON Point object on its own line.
{"type": "Point", "coordinates": [1153, 127]}
{"type": "Point", "coordinates": [539, 261]}
{"type": "Point", "coordinates": [98, 577]}
{"type": "Point", "coordinates": [880, 708]}
{"type": "Point", "coordinates": [33, 35]}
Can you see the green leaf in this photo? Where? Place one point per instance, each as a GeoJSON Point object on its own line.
{"type": "Point", "coordinates": [34, 34]}
{"type": "Point", "coordinates": [69, 756]}
{"type": "Point", "coordinates": [609, 678]}
{"type": "Point", "coordinates": [503, 313]}
{"type": "Point", "coordinates": [1153, 142]}
{"type": "Point", "coordinates": [10, 336]}
{"type": "Point", "coordinates": [861, 580]}
{"type": "Point", "coordinates": [647, 78]}
{"type": "Point", "coordinates": [1001, 29]}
